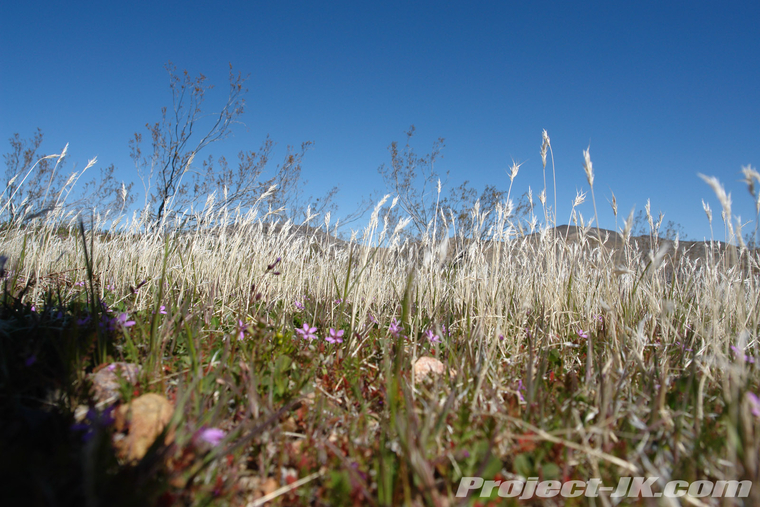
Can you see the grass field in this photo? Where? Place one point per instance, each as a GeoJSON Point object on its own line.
{"type": "Point", "coordinates": [289, 358]}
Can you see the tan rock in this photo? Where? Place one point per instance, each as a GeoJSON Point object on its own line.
{"type": "Point", "coordinates": [107, 382]}
{"type": "Point", "coordinates": [144, 419]}
{"type": "Point", "coordinates": [426, 365]}
{"type": "Point", "coordinates": [269, 486]}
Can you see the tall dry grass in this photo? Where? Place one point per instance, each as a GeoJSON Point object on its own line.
{"type": "Point", "coordinates": [570, 357]}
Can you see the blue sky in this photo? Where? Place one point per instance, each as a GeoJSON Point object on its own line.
{"type": "Point", "coordinates": [660, 90]}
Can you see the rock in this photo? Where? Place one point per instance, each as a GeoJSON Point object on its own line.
{"type": "Point", "coordinates": [269, 486]}
{"type": "Point", "coordinates": [144, 419]}
{"type": "Point", "coordinates": [426, 365]}
{"type": "Point", "coordinates": [106, 383]}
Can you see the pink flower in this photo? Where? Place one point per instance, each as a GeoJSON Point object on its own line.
{"type": "Point", "coordinates": [754, 402]}
{"type": "Point", "coordinates": [432, 338]}
{"type": "Point", "coordinates": [212, 436]}
{"type": "Point", "coordinates": [242, 326]}
{"type": "Point", "coordinates": [307, 333]}
{"type": "Point", "coordinates": [739, 353]}
{"type": "Point", "coordinates": [122, 319]}
{"type": "Point", "coordinates": [335, 337]}
{"type": "Point", "coordinates": [394, 328]}
{"type": "Point", "coordinates": [582, 333]}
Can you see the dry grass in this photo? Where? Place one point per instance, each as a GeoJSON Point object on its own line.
{"type": "Point", "coordinates": [574, 357]}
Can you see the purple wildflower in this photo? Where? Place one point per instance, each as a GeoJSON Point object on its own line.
{"type": "Point", "coordinates": [754, 402]}
{"type": "Point", "coordinates": [307, 333]}
{"type": "Point", "coordinates": [335, 336]}
{"type": "Point", "coordinates": [432, 338]}
{"type": "Point", "coordinates": [394, 328]}
{"type": "Point", "coordinates": [298, 304]}
{"type": "Point", "coordinates": [122, 319]}
{"type": "Point", "coordinates": [520, 387]}
{"type": "Point", "coordinates": [582, 333]}
{"type": "Point", "coordinates": [94, 421]}
{"type": "Point", "coordinates": [242, 326]}
{"type": "Point", "coordinates": [212, 436]}
{"type": "Point", "coordinates": [739, 353]}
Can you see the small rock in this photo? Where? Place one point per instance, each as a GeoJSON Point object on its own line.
{"type": "Point", "coordinates": [269, 486]}
{"type": "Point", "coordinates": [426, 365]}
{"type": "Point", "coordinates": [144, 419]}
{"type": "Point", "coordinates": [106, 382]}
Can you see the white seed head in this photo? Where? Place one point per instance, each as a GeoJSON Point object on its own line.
{"type": "Point", "coordinates": [725, 199]}
{"type": "Point", "coordinates": [544, 145]}
{"type": "Point", "coordinates": [90, 163]}
{"type": "Point", "coordinates": [580, 198]}
{"type": "Point", "coordinates": [513, 171]}
{"type": "Point", "coordinates": [708, 211]}
{"type": "Point", "coordinates": [751, 176]}
{"type": "Point", "coordinates": [588, 167]}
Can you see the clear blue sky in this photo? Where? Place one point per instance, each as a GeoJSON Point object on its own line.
{"type": "Point", "coordinates": [660, 90]}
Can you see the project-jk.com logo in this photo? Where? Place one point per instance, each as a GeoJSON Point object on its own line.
{"type": "Point", "coordinates": [631, 487]}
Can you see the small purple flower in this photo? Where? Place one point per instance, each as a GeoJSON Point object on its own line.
{"type": "Point", "coordinates": [122, 320]}
{"type": "Point", "coordinates": [739, 353]}
{"type": "Point", "coordinates": [372, 318]}
{"type": "Point", "coordinates": [394, 328]}
{"type": "Point", "coordinates": [242, 326]}
{"type": "Point", "coordinates": [501, 337]}
{"type": "Point", "coordinates": [520, 387]}
{"type": "Point", "coordinates": [754, 402]}
{"type": "Point", "coordinates": [335, 336]}
{"type": "Point", "coordinates": [162, 310]}
{"type": "Point", "coordinates": [582, 333]}
{"type": "Point", "coordinates": [432, 338]}
{"type": "Point", "coordinates": [83, 321]}
{"type": "Point", "coordinates": [33, 308]}
{"type": "Point", "coordinates": [212, 436]}
{"type": "Point", "coordinates": [111, 287]}
{"type": "Point", "coordinates": [93, 421]}
{"type": "Point", "coordinates": [79, 284]}
{"type": "Point", "coordinates": [307, 333]}
{"type": "Point", "coordinates": [298, 305]}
